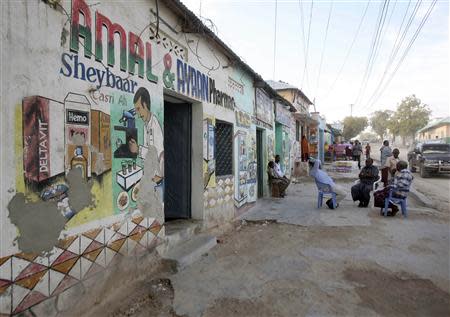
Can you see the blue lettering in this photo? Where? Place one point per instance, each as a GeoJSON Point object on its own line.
{"type": "Point", "coordinates": [205, 89]}
{"type": "Point", "coordinates": [199, 85]}
{"type": "Point", "coordinates": [193, 80]}
{"type": "Point", "coordinates": [66, 64]}
{"type": "Point", "coordinates": [82, 69]}
{"type": "Point", "coordinates": [91, 74]}
{"type": "Point", "coordinates": [110, 81]}
{"type": "Point", "coordinates": [180, 82]}
{"type": "Point", "coordinates": [100, 76]}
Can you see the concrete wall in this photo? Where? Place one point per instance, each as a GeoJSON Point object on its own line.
{"type": "Point", "coordinates": [81, 185]}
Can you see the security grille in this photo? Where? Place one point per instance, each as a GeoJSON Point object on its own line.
{"type": "Point", "coordinates": [224, 148]}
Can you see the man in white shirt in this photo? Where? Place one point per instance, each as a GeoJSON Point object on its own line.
{"type": "Point", "coordinates": [279, 173]}
{"type": "Point", "coordinates": [153, 134]}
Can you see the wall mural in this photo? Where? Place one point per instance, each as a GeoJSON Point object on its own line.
{"type": "Point", "coordinates": [49, 155]}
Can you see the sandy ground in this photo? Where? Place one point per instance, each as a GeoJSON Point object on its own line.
{"type": "Point", "coordinates": [287, 258]}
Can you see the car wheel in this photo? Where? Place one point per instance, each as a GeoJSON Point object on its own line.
{"type": "Point", "coordinates": [423, 173]}
{"type": "Point", "coordinates": [412, 167]}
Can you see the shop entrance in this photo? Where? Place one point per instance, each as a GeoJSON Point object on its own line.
{"type": "Point", "coordinates": [260, 161]}
{"type": "Point", "coordinates": [177, 159]}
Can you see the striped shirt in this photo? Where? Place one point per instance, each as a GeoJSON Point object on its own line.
{"type": "Point", "coordinates": [402, 182]}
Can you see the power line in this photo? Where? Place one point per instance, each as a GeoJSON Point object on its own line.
{"type": "Point", "coordinates": [302, 24]}
{"type": "Point", "coordinates": [348, 51]}
{"type": "Point", "coordinates": [397, 44]}
{"type": "Point", "coordinates": [380, 41]}
{"type": "Point", "coordinates": [376, 37]}
{"type": "Point", "coordinates": [275, 40]}
{"type": "Point", "coordinates": [307, 45]}
{"type": "Point", "coordinates": [408, 48]}
{"type": "Point", "coordinates": [324, 45]}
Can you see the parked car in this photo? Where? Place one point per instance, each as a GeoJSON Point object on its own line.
{"type": "Point", "coordinates": [430, 158]}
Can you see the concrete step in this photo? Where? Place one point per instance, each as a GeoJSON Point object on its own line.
{"type": "Point", "coordinates": [186, 253]}
{"type": "Point", "coordinates": [179, 231]}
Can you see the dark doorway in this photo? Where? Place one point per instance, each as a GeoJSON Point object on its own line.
{"type": "Point", "coordinates": [260, 161]}
{"type": "Point", "coordinates": [177, 160]}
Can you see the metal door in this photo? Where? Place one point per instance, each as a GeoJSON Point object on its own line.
{"type": "Point", "coordinates": [260, 162]}
{"type": "Point", "coordinates": [177, 160]}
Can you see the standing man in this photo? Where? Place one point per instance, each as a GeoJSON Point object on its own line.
{"type": "Point", "coordinates": [367, 151]}
{"type": "Point", "coordinates": [356, 153]}
{"type": "Point", "coordinates": [391, 163]}
{"type": "Point", "coordinates": [153, 135]}
{"type": "Point", "coordinates": [305, 149]}
{"type": "Point", "coordinates": [385, 152]}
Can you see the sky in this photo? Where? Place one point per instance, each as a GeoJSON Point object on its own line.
{"type": "Point", "coordinates": [248, 27]}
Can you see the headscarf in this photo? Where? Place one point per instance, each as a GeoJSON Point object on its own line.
{"type": "Point", "coordinates": [320, 175]}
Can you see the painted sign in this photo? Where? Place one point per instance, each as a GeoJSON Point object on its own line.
{"type": "Point", "coordinates": [42, 138]}
{"type": "Point", "coordinates": [264, 107]}
{"type": "Point", "coordinates": [243, 120]}
{"type": "Point", "coordinates": [282, 115]}
{"type": "Point", "coordinates": [194, 83]}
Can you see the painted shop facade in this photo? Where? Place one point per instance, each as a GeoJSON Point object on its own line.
{"type": "Point", "coordinates": [117, 120]}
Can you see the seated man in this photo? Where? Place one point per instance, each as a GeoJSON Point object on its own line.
{"type": "Point", "coordinates": [367, 176]}
{"type": "Point", "coordinates": [279, 173]}
{"type": "Point", "coordinates": [400, 185]}
{"type": "Point", "coordinates": [322, 177]}
{"type": "Point", "coordinates": [274, 179]}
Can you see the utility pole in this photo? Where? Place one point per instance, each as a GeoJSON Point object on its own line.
{"type": "Point", "coordinates": [351, 110]}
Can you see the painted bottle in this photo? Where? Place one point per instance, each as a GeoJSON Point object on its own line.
{"type": "Point", "coordinates": [79, 161]}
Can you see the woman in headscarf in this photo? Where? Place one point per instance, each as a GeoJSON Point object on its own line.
{"type": "Point", "coordinates": [367, 176]}
{"type": "Point", "coordinates": [305, 149]}
{"type": "Point", "coordinates": [322, 177]}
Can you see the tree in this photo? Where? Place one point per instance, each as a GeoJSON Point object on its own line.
{"type": "Point", "coordinates": [393, 126]}
{"type": "Point", "coordinates": [353, 126]}
{"type": "Point", "coordinates": [368, 136]}
{"type": "Point", "coordinates": [411, 115]}
{"type": "Point", "coordinates": [379, 122]}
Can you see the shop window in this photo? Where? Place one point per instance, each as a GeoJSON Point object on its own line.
{"type": "Point", "coordinates": [297, 130]}
{"type": "Point", "coordinates": [224, 148]}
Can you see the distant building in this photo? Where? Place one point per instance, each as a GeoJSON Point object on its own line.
{"type": "Point", "coordinates": [436, 129]}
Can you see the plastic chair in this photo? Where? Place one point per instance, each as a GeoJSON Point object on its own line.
{"type": "Point", "coordinates": [325, 190]}
{"type": "Point", "coordinates": [396, 201]}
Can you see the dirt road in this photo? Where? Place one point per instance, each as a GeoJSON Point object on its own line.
{"type": "Point", "coordinates": [436, 188]}
{"type": "Point", "coordinates": [290, 259]}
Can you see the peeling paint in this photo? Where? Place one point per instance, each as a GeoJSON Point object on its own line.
{"type": "Point", "coordinates": [39, 223]}
{"type": "Point", "coordinates": [79, 190]}
{"type": "Point", "coordinates": [44, 219]}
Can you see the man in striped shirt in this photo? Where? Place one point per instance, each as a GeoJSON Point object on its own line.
{"type": "Point", "coordinates": [402, 180]}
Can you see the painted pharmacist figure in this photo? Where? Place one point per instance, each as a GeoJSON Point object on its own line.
{"type": "Point", "coordinates": [153, 134]}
